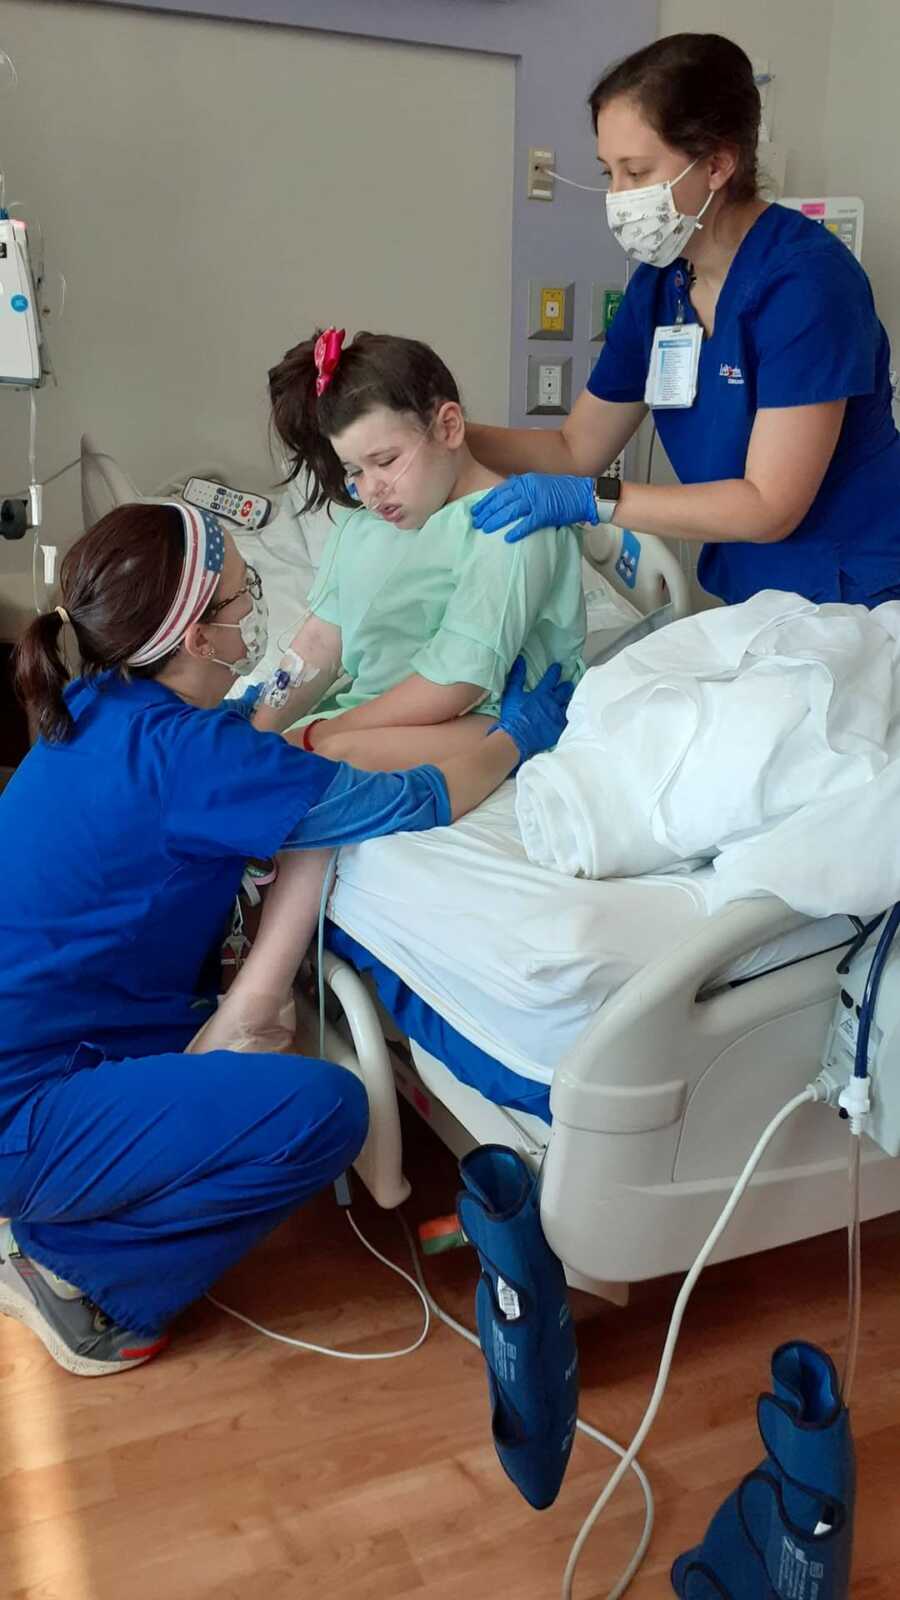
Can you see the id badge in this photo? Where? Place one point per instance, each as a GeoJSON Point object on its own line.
{"type": "Point", "coordinates": [674, 364]}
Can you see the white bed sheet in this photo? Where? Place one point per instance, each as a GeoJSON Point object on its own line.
{"type": "Point", "coordinates": [515, 956]}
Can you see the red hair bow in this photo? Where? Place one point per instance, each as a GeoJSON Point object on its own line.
{"type": "Point", "coordinates": [326, 355]}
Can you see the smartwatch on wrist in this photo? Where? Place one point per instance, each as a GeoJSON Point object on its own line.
{"type": "Point", "coordinates": [606, 498]}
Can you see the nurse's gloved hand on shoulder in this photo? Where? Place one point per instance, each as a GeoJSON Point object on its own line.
{"type": "Point", "coordinates": [538, 500]}
{"type": "Point", "coordinates": [534, 718]}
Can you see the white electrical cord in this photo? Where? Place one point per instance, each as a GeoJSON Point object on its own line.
{"type": "Point", "coordinates": [13, 84]}
{"type": "Point", "coordinates": [432, 1308]}
{"type": "Point", "coordinates": [809, 1094]}
{"type": "Point", "coordinates": [627, 1457]}
{"type": "Point", "coordinates": [18, 493]}
{"type": "Point", "coordinates": [32, 438]}
{"type": "Point", "coordinates": [854, 1274]}
{"type": "Point", "coordinates": [583, 1427]}
{"type": "Point", "coordinates": [13, 73]}
{"type": "Point", "coordinates": [39, 600]}
{"type": "Point", "coordinates": [589, 188]}
{"type": "Point", "coordinates": [67, 468]}
{"type": "Point", "coordinates": [343, 1355]}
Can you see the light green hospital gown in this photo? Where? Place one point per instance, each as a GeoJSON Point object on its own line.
{"type": "Point", "coordinates": [449, 603]}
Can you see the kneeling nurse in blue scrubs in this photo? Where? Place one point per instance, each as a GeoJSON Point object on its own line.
{"type": "Point", "coordinates": [751, 334]}
{"type": "Point", "coordinates": [133, 1175]}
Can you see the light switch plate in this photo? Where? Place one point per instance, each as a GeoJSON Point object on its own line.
{"type": "Point", "coordinates": [540, 185]}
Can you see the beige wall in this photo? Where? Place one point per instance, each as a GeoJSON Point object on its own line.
{"type": "Point", "coordinates": [211, 191]}
{"type": "Point", "coordinates": [862, 142]}
{"type": "Point", "coordinates": [794, 37]}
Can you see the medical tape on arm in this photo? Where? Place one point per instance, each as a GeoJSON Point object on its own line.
{"type": "Point", "coordinates": [293, 671]}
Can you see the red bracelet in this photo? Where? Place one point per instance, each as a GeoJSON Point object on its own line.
{"type": "Point", "coordinates": [305, 744]}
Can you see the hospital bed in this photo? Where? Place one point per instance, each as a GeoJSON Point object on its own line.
{"type": "Point", "coordinates": [637, 1072]}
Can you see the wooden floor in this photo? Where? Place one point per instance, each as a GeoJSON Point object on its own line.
{"type": "Point", "coordinates": [239, 1469]}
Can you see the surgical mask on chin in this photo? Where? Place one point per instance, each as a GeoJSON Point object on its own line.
{"type": "Point", "coordinates": [648, 224]}
{"type": "Point", "coordinates": [254, 630]}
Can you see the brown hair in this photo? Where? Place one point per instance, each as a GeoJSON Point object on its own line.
{"type": "Point", "coordinates": [117, 583]}
{"type": "Point", "coordinates": [376, 369]}
{"type": "Point", "coordinates": [697, 91]}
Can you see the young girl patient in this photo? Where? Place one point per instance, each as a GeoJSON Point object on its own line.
{"type": "Point", "coordinates": [422, 613]}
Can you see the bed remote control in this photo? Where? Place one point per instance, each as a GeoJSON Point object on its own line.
{"type": "Point", "coordinates": [247, 510]}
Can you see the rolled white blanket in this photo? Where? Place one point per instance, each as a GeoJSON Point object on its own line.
{"type": "Point", "coordinates": [714, 732]}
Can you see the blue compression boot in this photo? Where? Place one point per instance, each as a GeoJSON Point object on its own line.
{"type": "Point", "coordinates": [524, 1324]}
{"type": "Point", "coordinates": [787, 1531]}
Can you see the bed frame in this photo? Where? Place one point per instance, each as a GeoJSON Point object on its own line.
{"type": "Point", "coordinates": [654, 1111]}
{"type": "Point", "coordinates": [658, 1105]}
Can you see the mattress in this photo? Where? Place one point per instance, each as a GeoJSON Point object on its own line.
{"type": "Point", "coordinates": [419, 1022]}
{"type": "Point", "coordinates": [514, 957]}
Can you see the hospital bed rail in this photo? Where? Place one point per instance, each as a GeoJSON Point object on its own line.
{"type": "Point", "coordinates": [659, 1102]}
{"type": "Point", "coordinates": [644, 569]}
{"type": "Point", "coordinates": [655, 1108]}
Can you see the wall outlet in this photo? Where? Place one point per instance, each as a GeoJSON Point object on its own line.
{"type": "Point", "coordinates": [549, 391]}
{"type": "Point", "coordinates": [550, 384]}
{"type": "Point", "coordinates": [616, 469]}
{"type": "Point", "coordinates": [540, 185]}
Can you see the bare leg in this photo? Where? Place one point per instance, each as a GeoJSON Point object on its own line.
{"type": "Point", "coordinates": [257, 1012]}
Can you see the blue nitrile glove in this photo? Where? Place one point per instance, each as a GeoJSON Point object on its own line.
{"type": "Point", "coordinates": [539, 500]}
{"type": "Point", "coordinates": [246, 705]}
{"type": "Point", "coordinates": [534, 718]}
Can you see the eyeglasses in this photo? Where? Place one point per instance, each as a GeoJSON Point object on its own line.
{"type": "Point", "coordinates": [253, 587]}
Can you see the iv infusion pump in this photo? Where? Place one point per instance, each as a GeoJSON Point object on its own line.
{"type": "Point", "coordinates": [20, 325]}
{"type": "Point", "coordinates": [21, 355]}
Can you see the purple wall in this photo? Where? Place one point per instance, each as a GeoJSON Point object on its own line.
{"type": "Point", "coordinates": [560, 48]}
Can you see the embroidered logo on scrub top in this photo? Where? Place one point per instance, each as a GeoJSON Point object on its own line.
{"type": "Point", "coordinates": [733, 374]}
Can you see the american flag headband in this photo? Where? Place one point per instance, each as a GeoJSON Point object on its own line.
{"type": "Point", "coordinates": [204, 557]}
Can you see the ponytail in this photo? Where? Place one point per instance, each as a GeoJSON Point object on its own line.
{"type": "Point", "coordinates": [295, 419]}
{"type": "Point", "coordinates": [117, 582]}
{"type": "Point", "coordinates": [41, 676]}
{"type": "Point", "coordinates": [377, 369]}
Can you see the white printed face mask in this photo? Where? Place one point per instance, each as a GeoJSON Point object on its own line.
{"type": "Point", "coordinates": [254, 630]}
{"type": "Point", "coordinates": [648, 224]}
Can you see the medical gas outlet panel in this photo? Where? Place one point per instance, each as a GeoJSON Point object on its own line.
{"type": "Point", "coordinates": [553, 315]}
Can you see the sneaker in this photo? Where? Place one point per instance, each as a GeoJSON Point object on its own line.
{"type": "Point", "coordinates": [78, 1335]}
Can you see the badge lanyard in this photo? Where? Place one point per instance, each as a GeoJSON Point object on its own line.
{"type": "Point", "coordinates": [674, 361]}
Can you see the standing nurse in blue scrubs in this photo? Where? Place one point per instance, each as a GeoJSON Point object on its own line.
{"type": "Point", "coordinates": [752, 335]}
{"type": "Point", "coordinates": [132, 1175]}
